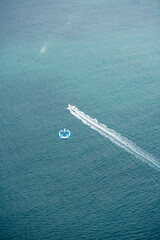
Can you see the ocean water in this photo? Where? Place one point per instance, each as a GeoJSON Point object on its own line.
{"type": "Point", "coordinates": [104, 58]}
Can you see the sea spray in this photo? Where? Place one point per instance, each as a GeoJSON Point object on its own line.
{"type": "Point", "coordinates": [115, 137]}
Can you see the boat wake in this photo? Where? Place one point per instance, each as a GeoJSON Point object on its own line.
{"type": "Point", "coordinates": [115, 137]}
{"type": "Point", "coordinates": [43, 49]}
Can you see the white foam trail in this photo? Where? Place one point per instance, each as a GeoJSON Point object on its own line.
{"type": "Point", "coordinates": [43, 49]}
{"type": "Point", "coordinates": [115, 137]}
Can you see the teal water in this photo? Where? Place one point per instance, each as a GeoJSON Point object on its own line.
{"type": "Point", "coordinates": [103, 57]}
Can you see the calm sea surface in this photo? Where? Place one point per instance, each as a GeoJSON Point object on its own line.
{"type": "Point", "coordinates": [103, 57]}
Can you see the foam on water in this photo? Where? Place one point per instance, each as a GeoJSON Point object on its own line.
{"type": "Point", "coordinates": [115, 137]}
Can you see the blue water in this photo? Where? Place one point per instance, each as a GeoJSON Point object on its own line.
{"type": "Point", "coordinates": [103, 57]}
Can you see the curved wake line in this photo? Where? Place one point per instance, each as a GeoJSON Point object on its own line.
{"type": "Point", "coordinates": [115, 137]}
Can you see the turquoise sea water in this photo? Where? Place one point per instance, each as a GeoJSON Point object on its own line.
{"type": "Point", "coordinates": [103, 57]}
